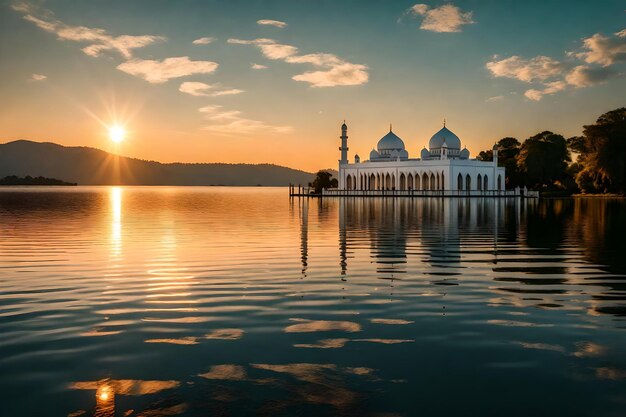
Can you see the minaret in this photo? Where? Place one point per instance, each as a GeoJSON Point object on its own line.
{"type": "Point", "coordinates": [344, 144]}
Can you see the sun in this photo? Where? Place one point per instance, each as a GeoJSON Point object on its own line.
{"type": "Point", "coordinates": [117, 133]}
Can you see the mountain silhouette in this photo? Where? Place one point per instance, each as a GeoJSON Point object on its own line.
{"type": "Point", "coordinates": [91, 166]}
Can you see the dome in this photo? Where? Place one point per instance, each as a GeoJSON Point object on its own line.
{"type": "Point", "coordinates": [464, 154]}
{"type": "Point", "coordinates": [374, 154]}
{"type": "Point", "coordinates": [404, 154]}
{"type": "Point", "coordinates": [425, 154]}
{"type": "Point", "coordinates": [444, 135]}
{"type": "Point", "coordinates": [390, 142]}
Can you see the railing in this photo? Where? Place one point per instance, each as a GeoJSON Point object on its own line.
{"type": "Point", "coordinates": [517, 192]}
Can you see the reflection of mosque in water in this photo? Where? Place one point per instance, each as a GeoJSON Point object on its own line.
{"type": "Point", "coordinates": [396, 229]}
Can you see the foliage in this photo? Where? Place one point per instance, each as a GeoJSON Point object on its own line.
{"type": "Point", "coordinates": [543, 160]}
{"type": "Point", "coordinates": [486, 156]}
{"type": "Point", "coordinates": [28, 180]}
{"type": "Point", "coordinates": [323, 180]}
{"type": "Point", "coordinates": [508, 151]}
{"type": "Point", "coordinates": [602, 151]}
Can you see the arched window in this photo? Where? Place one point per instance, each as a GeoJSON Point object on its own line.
{"type": "Point", "coordinates": [372, 184]}
{"type": "Point", "coordinates": [387, 182]}
{"type": "Point", "coordinates": [417, 181]}
{"type": "Point", "coordinates": [468, 182]}
{"type": "Point", "coordinates": [425, 182]}
{"type": "Point", "coordinates": [437, 184]}
{"type": "Point", "coordinates": [393, 182]}
{"type": "Point", "coordinates": [378, 185]}
{"type": "Point", "coordinates": [499, 183]}
{"type": "Point", "coordinates": [432, 181]}
{"type": "Point", "coordinates": [409, 182]}
{"type": "Point", "coordinates": [459, 182]}
{"type": "Point", "coordinates": [349, 182]}
{"type": "Point", "coordinates": [443, 186]}
{"type": "Point", "coordinates": [485, 183]}
{"type": "Point", "coordinates": [402, 181]}
{"type": "Point", "coordinates": [479, 182]}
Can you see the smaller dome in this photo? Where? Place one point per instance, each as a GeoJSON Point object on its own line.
{"type": "Point", "coordinates": [425, 154]}
{"type": "Point", "coordinates": [464, 154]}
{"type": "Point", "coordinates": [374, 154]}
{"type": "Point", "coordinates": [357, 158]}
{"type": "Point", "coordinates": [404, 154]}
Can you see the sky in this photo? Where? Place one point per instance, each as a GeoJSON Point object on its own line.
{"type": "Point", "coordinates": [272, 81]}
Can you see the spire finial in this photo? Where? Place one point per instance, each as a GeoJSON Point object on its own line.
{"type": "Point", "coordinates": [390, 127]}
{"type": "Point", "coordinates": [444, 122]}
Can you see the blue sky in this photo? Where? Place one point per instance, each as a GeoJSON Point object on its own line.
{"type": "Point", "coordinates": [491, 68]}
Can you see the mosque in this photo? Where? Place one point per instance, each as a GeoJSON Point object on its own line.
{"type": "Point", "coordinates": [444, 166]}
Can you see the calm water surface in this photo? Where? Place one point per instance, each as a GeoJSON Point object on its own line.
{"type": "Point", "coordinates": [240, 302]}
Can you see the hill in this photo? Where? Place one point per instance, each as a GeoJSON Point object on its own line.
{"type": "Point", "coordinates": [90, 166]}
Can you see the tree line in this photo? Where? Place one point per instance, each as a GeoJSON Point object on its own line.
{"type": "Point", "coordinates": [544, 161]}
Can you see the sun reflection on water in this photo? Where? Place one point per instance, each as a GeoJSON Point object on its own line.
{"type": "Point", "coordinates": [115, 197]}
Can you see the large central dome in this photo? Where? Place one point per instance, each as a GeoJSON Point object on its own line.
{"type": "Point", "coordinates": [444, 135]}
{"type": "Point", "coordinates": [390, 142]}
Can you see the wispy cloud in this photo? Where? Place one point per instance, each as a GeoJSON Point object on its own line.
{"type": "Point", "coordinates": [585, 76]}
{"type": "Point", "coordinates": [155, 71]}
{"type": "Point", "coordinates": [599, 52]}
{"type": "Point", "coordinates": [204, 41]}
{"type": "Point", "coordinates": [231, 122]}
{"type": "Point", "coordinates": [447, 18]}
{"type": "Point", "coordinates": [269, 22]}
{"type": "Point", "coordinates": [207, 90]}
{"type": "Point", "coordinates": [550, 88]}
{"type": "Point", "coordinates": [604, 50]}
{"type": "Point", "coordinates": [258, 66]}
{"type": "Point", "coordinates": [494, 98]}
{"type": "Point", "coordinates": [333, 71]}
{"type": "Point", "coordinates": [38, 77]}
{"type": "Point", "coordinates": [539, 68]}
{"type": "Point", "coordinates": [98, 40]}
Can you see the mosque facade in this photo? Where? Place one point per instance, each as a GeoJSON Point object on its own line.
{"type": "Point", "coordinates": [443, 166]}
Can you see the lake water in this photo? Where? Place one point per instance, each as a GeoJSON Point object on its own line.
{"type": "Point", "coordinates": [239, 302]}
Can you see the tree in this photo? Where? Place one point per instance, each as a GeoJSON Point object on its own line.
{"type": "Point", "coordinates": [485, 156]}
{"type": "Point", "coordinates": [323, 180]}
{"type": "Point", "coordinates": [543, 160]}
{"type": "Point", "coordinates": [602, 151]}
{"type": "Point", "coordinates": [508, 149]}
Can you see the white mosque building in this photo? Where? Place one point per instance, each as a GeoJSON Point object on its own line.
{"type": "Point", "coordinates": [445, 167]}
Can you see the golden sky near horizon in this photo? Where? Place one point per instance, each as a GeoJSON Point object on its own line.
{"type": "Point", "coordinates": [272, 82]}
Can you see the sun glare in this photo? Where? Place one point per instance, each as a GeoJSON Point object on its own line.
{"type": "Point", "coordinates": [117, 133]}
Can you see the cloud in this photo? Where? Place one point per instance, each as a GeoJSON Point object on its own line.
{"type": "Point", "coordinates": [344, 74]}
{"type": "Point", "coordinates": [538, 68]}
{"type": "Point", "coordinates": [494, 98]}
{"type": "Point", "coordinates": [600, 52]}
{"type": "Point", "coordinates": [447, 18]}
{"type": "Point", "coordinates": [333, 71]}
{"type": "Point", "coordinates": [204, 41]}
{"type": "Point", "coordinates": [38, 77]}
{"type": "Point", "coordinates": [231, 122]}
{"type": "Point", "coordinates": [550, 88]}
{"type": "Point", "coordinates": [604, 50]}
{"type": "Point", "coordinates": [206, 90]}
{"type": "Point", "coordinates": [258, 66]}
{"type": "Point", "coordinates": [269, 22]}
{"type": "Point", "coordinates": [584, 76]}
{"type": "Point", "coordinates": [269, 47]}
{"type": "Point", "coordinates": [99, 40]}
{"type": "Point", "coordinates": [155, 71]}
